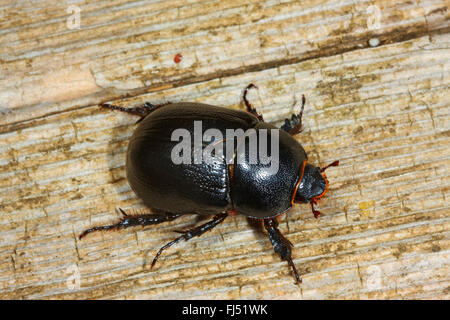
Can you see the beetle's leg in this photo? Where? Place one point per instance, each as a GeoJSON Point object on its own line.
{"type": "Point", "coordinates": [281, 245]}
{"type": "Point", "coordinates": [294, 125]}
{"type": "Point", "coordinates": [135, 220]}
{"type": "Point", "coordinates": [193, 232]}
{"type": "Point", "coordinates": [142, 110]}
{"type": "Point", "coordinates": [248, 105]}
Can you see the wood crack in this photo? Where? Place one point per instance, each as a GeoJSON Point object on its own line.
{"type": "Point", "coordinates": [362, 42]}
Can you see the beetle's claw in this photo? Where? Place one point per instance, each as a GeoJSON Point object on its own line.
{"type": "Point", "coordinates": [248, 105]}
{"type": "Point", "coordinates": [123, 212]}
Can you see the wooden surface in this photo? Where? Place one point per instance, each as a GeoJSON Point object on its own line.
{"type": "Point", "coordinates": [383, 111]}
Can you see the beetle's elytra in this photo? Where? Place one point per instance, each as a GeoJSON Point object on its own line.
{"type": "Point", "coordinates": [219, 188]}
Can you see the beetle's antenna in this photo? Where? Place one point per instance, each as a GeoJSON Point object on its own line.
{"type": "Point", "coordinates": [333, 164]}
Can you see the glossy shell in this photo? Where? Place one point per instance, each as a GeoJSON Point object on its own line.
{"type": "Point", "coordinates": [258, 193]}
{"type": "Point", "coordinates": [208, 188]}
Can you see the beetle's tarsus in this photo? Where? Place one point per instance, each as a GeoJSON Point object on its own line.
{"type": "Point", "coordinates": [135, 220]}
{"type": "Point", "coordinates": [109, 227]}
{"type": "Point", "coordinates": [167, 245]}
{"type": "Point", "coordinates": [248, 105]}
{"type": "Point", "coordinates": [142, 110]}
{"type": "Point", "coordinates": [281, 245]}
{"type": "Point", "coordinates": [294, 125]}
{"type": "Point", "coordinates": [190, 233]}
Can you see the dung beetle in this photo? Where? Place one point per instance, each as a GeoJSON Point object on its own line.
{"type": "Point", "coordinates": [219, 187]}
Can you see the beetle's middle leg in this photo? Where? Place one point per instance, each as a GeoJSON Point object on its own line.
{"type": "Point", "coordinates": [281, 245]}
{"type": "Point", "coordinates": [294, 125]}
{"type": "Point", "coordinates": [193, 232]}
{"type": "Point", "coordinates": [248, 105]}
{"type": "Point", "coordinates": [135, 220]}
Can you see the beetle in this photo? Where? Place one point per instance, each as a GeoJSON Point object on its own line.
{"type": "Point", "coordinates": [219, 188]}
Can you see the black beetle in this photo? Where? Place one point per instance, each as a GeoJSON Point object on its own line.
{"type": "Point", "coordinates": [220, 188]}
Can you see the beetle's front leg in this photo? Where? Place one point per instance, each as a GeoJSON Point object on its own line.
{"type": "Point", "coordinates": [281, 245]}
{"type": "Point", "coordinates": [294, 125]}
{"type": "Point", "coordinates": [135, 220]}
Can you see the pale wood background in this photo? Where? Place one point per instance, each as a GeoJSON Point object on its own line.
{"type": "Point", "coordinates": [382, 111]}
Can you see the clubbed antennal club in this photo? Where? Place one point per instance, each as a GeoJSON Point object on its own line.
{"type": "Point", "coordinates": [333, 164]}
{"type": "Point", "coordinates": [315, 212]}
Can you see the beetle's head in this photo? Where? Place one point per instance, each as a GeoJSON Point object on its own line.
{"type": "Point", "coordinates": [313, 186]}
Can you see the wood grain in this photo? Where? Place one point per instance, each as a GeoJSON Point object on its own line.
{"type": "Point", "coordinates": [382, 111]}
{"type": "Point", "coordinates": [125, 47]}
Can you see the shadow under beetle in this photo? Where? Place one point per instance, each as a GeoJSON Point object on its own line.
{"type": "Point", "coordinates": [219, 188]}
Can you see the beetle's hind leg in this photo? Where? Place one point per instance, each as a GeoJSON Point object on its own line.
{"type": "Point", "coordinates": [248, 105]}
{"type": "Point", "coordinates": [294, 125]}
{"type": "Point", "coordinates": [281, 245]}
{"type": "Point", "coordinates": [142, 110]}
{"type": "Point", "coordinates": [135, 220]}
{"type": "Point", "coordinates": [193, 232]}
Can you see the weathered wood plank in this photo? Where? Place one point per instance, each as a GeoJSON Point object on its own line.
{"type": "Point", "coordinates": [127, 47]}
{"type": "Point", "coordinates": [384, 112]}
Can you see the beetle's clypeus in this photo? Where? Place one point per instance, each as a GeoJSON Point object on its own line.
{"type": "Point", "coordinates": [219, 188]}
